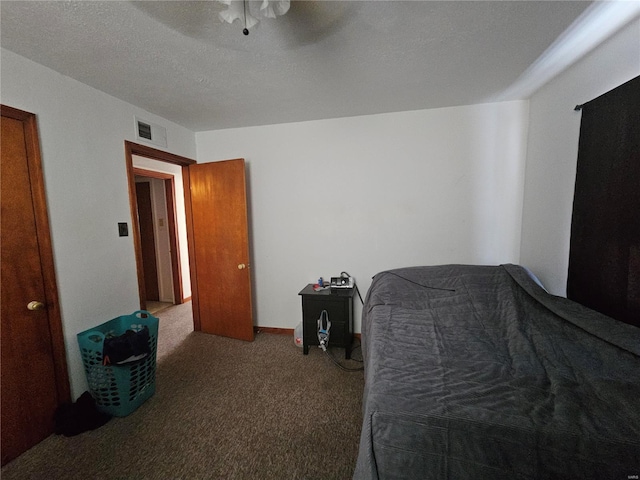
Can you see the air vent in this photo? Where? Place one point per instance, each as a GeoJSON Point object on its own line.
{"type": "Point", "coordinates": [150, 132]}
{"type": "Point", "coordinates": [144, 130]}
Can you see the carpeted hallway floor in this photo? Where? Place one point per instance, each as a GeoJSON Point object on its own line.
{"type": "Point", "coordinates": [223, 409]}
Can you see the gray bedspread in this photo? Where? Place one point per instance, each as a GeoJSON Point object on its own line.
{"type": "Point", "coordinates": [487, 376]}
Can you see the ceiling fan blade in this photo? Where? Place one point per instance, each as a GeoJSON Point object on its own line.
{"type": "Point", "coordinates": [189, 18]}
{"type": "Point", "coordinates": [309, 21]}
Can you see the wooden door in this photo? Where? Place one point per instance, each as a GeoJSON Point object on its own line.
{"type": "Point", "coordinates": [34, 373]}
{"type": "Point", "coordinates": [219, 245]}
{"type": "Point", "coordinates": [147, 240]}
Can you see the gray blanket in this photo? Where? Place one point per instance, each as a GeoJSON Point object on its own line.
{"type": "Point", "coordinates": [475, 372]}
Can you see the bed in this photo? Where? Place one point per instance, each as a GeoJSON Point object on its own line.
{"type": "Point", "coordinates": [476, 372]}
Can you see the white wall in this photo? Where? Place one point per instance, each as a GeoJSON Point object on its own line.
{"type": "Point", "coordinates": [161, 235]}
{"type": "Point", "coordinates": [554, 129]}
{"type": "Point", "coordinates": [369, 193]}
{"type": "Point", "coordinates": [82, 134]}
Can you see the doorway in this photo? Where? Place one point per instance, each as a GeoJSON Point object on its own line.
{"type": "Point", "coordinates": [158, 223]}
{"type": "Point", "coordinates": [160, 243]}
{"type": "Point", "coordinates": [217, 241]}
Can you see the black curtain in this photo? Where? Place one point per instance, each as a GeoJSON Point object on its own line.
{"type": "Point", "coordinates": [604, 259]}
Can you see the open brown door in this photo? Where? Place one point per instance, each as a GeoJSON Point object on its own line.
{"type": "Point", "coordinates": [34, 371]}
{"type": "Point", "coordinates": [218, 236]}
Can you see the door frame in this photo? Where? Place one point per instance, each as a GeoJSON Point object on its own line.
{"type": "Point", "coordinates": [172, 227]}
{"type": "Point", "coordinates": [131, 149]}
{"type": "Point", "coordinates": [38, 195]}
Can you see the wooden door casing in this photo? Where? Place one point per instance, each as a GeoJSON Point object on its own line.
{"type": "Point", "coordinates": [131, 149]}
{"type": "Point", "coordinates": [172, 225]}
{"type": "Point", "coordinates": [34, 370]}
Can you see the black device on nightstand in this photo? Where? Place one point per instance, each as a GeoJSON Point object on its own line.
{"type": "Point", "coordinates": [339, 307]}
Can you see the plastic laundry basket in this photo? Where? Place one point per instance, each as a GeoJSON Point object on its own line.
{"type": "Point", "coordinates": [119, 389]}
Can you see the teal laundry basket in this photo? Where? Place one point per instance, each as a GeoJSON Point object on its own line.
{"type": "Point", "coordinates": [119, 389]}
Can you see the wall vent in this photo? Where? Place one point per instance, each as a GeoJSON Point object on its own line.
{"type": "Point", "coordinates": [150, 132]}
{"type": "Point", "coordinates": [144, 130]}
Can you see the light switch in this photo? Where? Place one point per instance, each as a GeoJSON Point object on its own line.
{"type": "Point", "coordinates": [123, 229]}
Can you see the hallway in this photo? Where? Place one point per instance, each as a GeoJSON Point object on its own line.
{"type": "Point", "coordinates": [175, 324]}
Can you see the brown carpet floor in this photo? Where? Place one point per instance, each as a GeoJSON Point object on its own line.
{"type": "Point", "coordinates": [223, 409]}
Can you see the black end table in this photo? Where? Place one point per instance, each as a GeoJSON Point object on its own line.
{"type": "Point", "coordinates": [339, 307]}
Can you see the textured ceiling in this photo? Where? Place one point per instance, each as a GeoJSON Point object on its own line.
{"type": "Point", "coordinates": [323, 59]}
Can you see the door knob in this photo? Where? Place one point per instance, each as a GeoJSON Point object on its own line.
{"type": "Point", "coordinates": [241, 266]}
{"type": "Point", "coordinates": [35, 305]}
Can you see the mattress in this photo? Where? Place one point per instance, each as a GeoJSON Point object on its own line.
{"type": "Point", "coordinates": [476, 372]}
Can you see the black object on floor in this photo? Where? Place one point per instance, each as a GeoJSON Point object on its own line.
{"type": "Point", "coordinates": [75, 418]}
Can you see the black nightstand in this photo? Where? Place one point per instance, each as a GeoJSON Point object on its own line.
{"type": "Point", "coordinates": [339, 306]}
